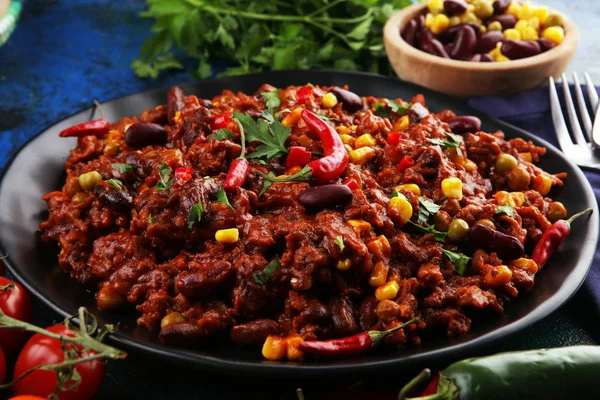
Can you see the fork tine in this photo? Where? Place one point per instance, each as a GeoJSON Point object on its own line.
{"type": "Point", "coordinates": [562, 133]}
{"type": "Point", "coordinates": [591, 91]}
{"type": "Point", "coordinates": [583, 111]}
{"type": "Point", "coordinates": [573, 121]}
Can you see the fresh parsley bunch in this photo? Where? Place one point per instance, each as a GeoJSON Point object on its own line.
{"type": "Point", "coordinates": [266, 34]}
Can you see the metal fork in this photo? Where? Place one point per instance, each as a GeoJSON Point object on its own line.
{"type": "Point", "coordinates": [583, 153]}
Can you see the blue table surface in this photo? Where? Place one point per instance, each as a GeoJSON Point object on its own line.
{"type": "Point", "coordinates": [61, 58]}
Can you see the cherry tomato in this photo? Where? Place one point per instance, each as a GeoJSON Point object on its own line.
{"type": "Point", "coordinates": [41, 349]}
{"type": "Point", "coordinates": [16, 304]}
{"type": "Point", "coordinates": [28, 397]}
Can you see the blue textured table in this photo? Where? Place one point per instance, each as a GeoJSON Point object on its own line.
{"type": "Point", "coordinates": [62, 57]}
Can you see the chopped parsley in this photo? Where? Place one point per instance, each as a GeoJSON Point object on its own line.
{"type": "Point", "coordinates": [262, 277]}
{"type": "Point", "coordinates": [506, 209]}
{"type": "Point", "coordinates": [222, 198]}
{"type": "Point", "coordinates": [427, 208]}
{"type": "Point", "coordinates": [272, 136]}
{"type": "Point", "coordinates": [165, 174]}
{"type": "Point", "coordinates": [221, 134]}
{"type": "Point", "coordinates": [439, 236]}
{"type": "Point", "coordinates": [272, 100]}
{"type": "Point", "coordinates": [195, 215]}
{"type": "Point", "coordinates": [115, 183]}
{"type": "Point", "coordinates": [340, 243]}
{"type": "Point", "coordinates": [122, 168]}
{"type": "Point", "coordinates": [459, 260]}
{"type": "Point", "coordinates": [151, 219]}
{"type": "Point", "coordinates": [383, 109]}
{"type": "Point", "coordinates": [453, 141]}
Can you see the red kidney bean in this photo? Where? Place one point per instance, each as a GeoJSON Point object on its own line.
{"type": "Point", "coordinates": [465, 43]}
{"type": "Point", "coordinates": [507, 247]}
{"type": "Point", "coordinates": [203, 282]}
{"type": "Point", "coordinates": [367, 313]}
{"type": "Point", "coordinates": [344, 316]}
{"type": "Point", "coordinates": [351, 102]}
{"type": "Point", "coordinates": [507, 21]}
{"type": "Point", "coordinates": [546, 44]}
{"type": "Point", "coordinates": [416, 112]}
{"type": "Point", "coordinates": [517, 49]}
{"type": "Point", "coordinates": [145, 134]}
{"type": "Point", "coordinates": [500, 6]}
{"type": "Point", "coordinates": [488, 41]}
{"type": "Point", "coordinates": [449, 34]}
{"type": "Point", "coordinates": [181, 333]}
{"type": "Point", "coordinates": [325, 196]}
{"type": "Point", "coordinates": [420, 22]}
{"type": "Point", "coordinates": [436, 48]}
{"type": "Point", "coordinates": [464, 124]}
{"type": "Point", "coordinates": [116, 199]}
{"type": "Point", "coordinates": [448, 47]}
{"type": "Point", "coordinates": [474, 58]}
{"type": "Point", "coordinates": [409, 32]}
{"type": "Point", "coordinates": [455, 7]}
{"type": "Point", "coordinates": [254, 332]}
{"type": "Point", "coordinates": [485, 57]}
{"type": "Point", "coordinates": [175, 102]}
{"type": "Point", "coordinates": [425, 37]}
{"type": "Point", "coordinates": [315, 312]}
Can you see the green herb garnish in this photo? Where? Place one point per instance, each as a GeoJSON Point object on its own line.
{"type": "Point", "coordinates": [453, 142]}
{"type": "Point", "coordinates": [221, 134]}
{"type": "Point", "coordinates": [115, 183]}
{"type": "Point", "coordinates": [439, 236]}
{"type": "Point", "coordinates": [222, 198]}
{"type": "Point", "coordinates": [272, 100]}
{"type": "Point", "coordinates": [262, 277]}
{"type": "Point", "coordinates": [122, 168]}
{"type": "Point", "coordinates": [195, 215]}
{"type": "Point", "coordinates": [506, 209]}
{"type": "Point", "coordinates": [151, 219]}
{"type": "Point", "coordinates": [164, 173]}
{"type": "Point", "coordinates": [459, 260]}
{"type": "Point", "coordinates": [272, 136]}
{"type": "Point", "coordinates": [427, 209]}
{"type": "Point", "coordinates": [340, 243]}
{"type": "Point", "coordinates": [383, 109]}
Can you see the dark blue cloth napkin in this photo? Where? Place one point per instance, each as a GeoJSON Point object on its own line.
{"type": "Point", "coordinates": [531, 112]}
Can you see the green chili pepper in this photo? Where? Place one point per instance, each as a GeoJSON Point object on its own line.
{"type": "Point", "coordinates": [561, 373]}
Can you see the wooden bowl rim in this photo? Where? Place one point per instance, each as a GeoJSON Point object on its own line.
{"type": "Point", "coordinates": [393, 26]}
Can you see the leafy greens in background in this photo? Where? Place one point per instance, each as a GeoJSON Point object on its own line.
{"type": "Point", "coordinates": [259, 35]}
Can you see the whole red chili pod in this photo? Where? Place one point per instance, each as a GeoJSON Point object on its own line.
{"type": "Point", "coordinates": [97, 127]}
{"type": "Point", "coordinates": [239, 168]}
{"type": "Point", "coordinates": [553, 238]}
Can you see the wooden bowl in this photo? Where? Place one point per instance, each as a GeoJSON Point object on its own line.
{"type": "Point", "coordinates": [473, 79]}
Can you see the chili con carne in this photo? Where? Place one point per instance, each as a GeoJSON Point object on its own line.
{"type": "Point", "coordinates": [97, 127]}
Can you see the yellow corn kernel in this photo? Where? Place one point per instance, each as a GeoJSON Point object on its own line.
{"type": "Point", "coordinates": [513, 9]}
{"type": "Point", "coordinates": [401, 123]}
{"type": "Point", "coordinates": [454, 20]}
{"type": "Point", "coordinates": [347, 139]}
{"type": "Point", "coordinates": [411, 187]}
{"type": "Point", "coordinates": [495, 26]}
{"type": "Point", "coordinates": [403, 207]}
{"type": "Point", "coordinates": [361, 156]}
{"type": "Point", "coordinates": [348, 148]}
{"type": "Point", "coordinates": [470, 166]}
{"type": "Point", "coordinates": [380, 247]}
{"type": "Point", "coordinates": [497, 276]}
{"type": "Point", "coordinates": [541, 13]}
{"type": "Point", "coordinates": [521, 24]}
{"type": "Point", "coordinates": [501, 58]}
{"type": "Point", "coordinates": [554, 33]}
{"type": "Point", "coordinates": [526, 264]}
{"type": "Point", "coordinates": [529, 33]}
{"type": "Point", "coordinates": [388, 291]}
{"type": "Point", "coordinates": [526, 10]}
{"type": "Point", "coordinates": [344, 265]}
{"type": "Point", "coordinates": [503, 197]}
{"type": "Point", "coordinates": [352, 128]}
{"type": "Point", "coordinates": [171, 318]}
{"type": "Point", "coordinates": [435, 6]}
{"type": "Point", "coordinates": [526, 156]}
{"type": "Point", "coordinates": [88, 180]}
{"type": "Point", "coordinates": [79, 198]}
{"type": "Point", "coordinates": [469, 16]}
{"type": "Point", "coordinates": [379, 274]}
{"type": "Point", "coordinates": [440, 23]}
{"type": "Point", "coordinates": [292, 117]}
{"type": "Point", "coordinates": [452, 188]}
{"type": "Point", "coordinates": [364, 141]}
{"type": "Point", "coordinates": [542, 184]}
{"type": "Point", "coordinates": [360, 227]}
{"type": "Point", "coordinates": [534, 22]}
{"type": "Point", "coordinates": [111, 149]}
{"type": "Point", "coordinates": [274, 348]}
{"type": "Point", "coordinates": [342, 130]}
{"type": "Point", "coordinates": [329, 100]}
{"type": "Point", "coordinates": [305, 141]}
{"type": "Point", "coordinates": [512, 34]}
{"type": "Point", "coordinates": [518, 198]}
{"type": "Point", "coordinates": [293, 353]}
{"type": "Point", "coordinates": [231, 235]}
{"type": "Point", "coordinates": [177, 116]}
{"type": "Point", "coordinates": [470, 7]}
{"type": "Point", "coordinates": [482, 29]}
{"type": "Point", "coordinates": [428, 20]}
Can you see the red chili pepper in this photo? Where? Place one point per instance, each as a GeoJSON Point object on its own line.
{"type": "Point", "coordinates": [239, 168]}
{"type": "Point", "coordinates": [405, 163]}
{"type": "Point", "coordinates": [97, 127]}
{"type": "Point", "coordinates": [184, 174]}
{"type": "Point", "coordinates": [298, 156]}
{"type": "Point", "coordinates": [304, 94]}
{"type": "Point", "coordinates": [394, 138]}
{"type": "Point", "coordinates": [553, 238]}
{"type": "Point", "coordinates": [351, 183]}
{"type": "Point", "coordinates": [219, 121]}
{"type": "Point", "coordinates": [350, 346]}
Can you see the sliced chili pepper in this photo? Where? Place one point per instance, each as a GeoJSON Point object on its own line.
{"type": "Point", "coordinates": [394, 138]}
{"type": "Point", "coordinates": [350, 346]}
{"type": "Point", "coordinates": [406, 162]}
{"type": "Point", "coordinates": [351, 183]}
{"type": "Point", "coordinates": [97, 127]}
{"type": "Point", "coordinates": [304, 94]}
{"type": "Point", "coordinates": [298, 156]}
{"type": "Point", "coordinates": [219, 121]}
{"type": "Point", "coordinates": [553, 238]}
{"type": "Point", "coordinates": [239, 168]}
{"type": "Point", "coordinates": [184, 174]}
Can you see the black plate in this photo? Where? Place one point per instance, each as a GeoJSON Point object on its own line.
{"type": "Point", "coordinates": [38, 168]}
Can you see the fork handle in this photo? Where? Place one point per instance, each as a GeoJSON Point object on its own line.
{"type": "Point", "coordinates": [596, 129]}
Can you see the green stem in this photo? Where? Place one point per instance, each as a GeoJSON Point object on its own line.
{"type": "Point", "coordinates": [10, 286]}
{"type": "Point", "coordinates": [299, 394]}
{"type": "Point", "coordinates": [579, 214]}
{"type": "Point", "coordinates": [304, 175]}
{"type": "Point", "coordinates": [101, 109]}
{"type": "Point", "coordinates": [377, 336]}
{"type": "Point", "coordinates": [242, 138]}
{"type": "Point", "coordinates": [325, 8]}
{"type": "Point", "coordinates": [415, 382]}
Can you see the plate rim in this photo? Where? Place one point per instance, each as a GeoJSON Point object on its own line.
{"type": "Point", "coordinates": [174, 355]}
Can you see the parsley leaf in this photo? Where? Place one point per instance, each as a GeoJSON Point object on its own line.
{"type": "Point", "coordinates": [439, 236]}
{"type": "Point", "coordinates": [266, 184]}
{"type": "Point", "coordinates": [459, 260]}
{"type": "Point", "coordinates": [453, 142]}
{"type": "Point", "coordinates": [506, 209]}
{"type": "Point", "coordinates": [398, 108]}
{"type": "Point", "coordinates": [222, 198]}
{"type": "Point", "coordinates": [195, 215]}
{"type": "Point", "coordinates": [165, 173]}
{"type": "Point", "coordinates": [221, 134]}
{"type": "Point", "coordinates": [427, 209]}
{"type": "Point", "coordinates": [262, 277]}
{"type": "Point", "coordinates": [383, 109]}
{"type": "Point", "coordinates": [398, 194]}
{"type": "Point", "coordinates": [272, 100]}
{"type": "Point", "coordinates": [151, 219]}
{"type": "Point", "coordinates": [115, 183]}
{"type": "Point", "coordinates": [122, 168]}
{"type": "Point", "coordinates": [272, 136]}
{"type": "Point", "coordinates": [340, 243]}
